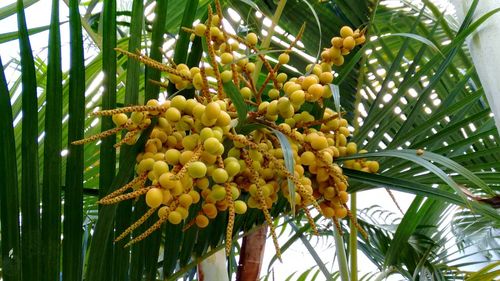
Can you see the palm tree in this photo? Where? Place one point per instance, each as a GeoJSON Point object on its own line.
{"type": "Point", "coordinates": [411, 92]}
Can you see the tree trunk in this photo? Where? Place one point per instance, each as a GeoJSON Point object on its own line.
{"type": "Point", "coordinates": [483, 45]}
{"type": "Point", "coordinates": [251, 255]}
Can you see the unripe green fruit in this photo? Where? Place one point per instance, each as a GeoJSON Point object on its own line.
{"type": "Point", "coordinates": [220, 175]}
{"type": "Point", "coordinates": [226, 76]}
{"type": "Point", "coordinates": [206, 133]}
{"type": "Point", "coordinates": [172, 156]}
{"type": "Point", "coordinates": [232, 168]}
{"type": "Point", "coordinates": [211, 145]}
{"type": "Point", "coordinates": [218, 192]}
{"type": "Point", "coordinates": [246, 93]}
{"type": "Point", "coordinates": [154, 197]}
{"type": "Point", "coordinates": [197, 169]}
{"type": "Point", "coordinates": [235, 192]}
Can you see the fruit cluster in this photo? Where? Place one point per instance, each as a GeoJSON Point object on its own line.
{"type": "Point", "coordinates": [195, 155]}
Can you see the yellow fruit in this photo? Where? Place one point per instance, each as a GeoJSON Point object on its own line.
{"type": "Point", "coordinates": [373, 166]}
{"type": "Point", "coordinates": [328, 212]}
{"type": "Point", "coordinates": [197, 169]}
{"type": "Point", "coordinates": [343, 197]}
{"type": "Point", "coordinates": [246, 93]}
{"type": "Point", "coordinates": [120, 119]}
{"type": "Point", "coordinates": [319, 142]}
{"type": "Point", "coordinates": [163, 212]}
{"type": "Point", "coordinates": [349, 43]}
{"type": "Point", "coordinates": [154, 197]}
{"type": "Point", "coordinates": [226, 76]}
{"type": "Point", "coordinates": [316, 90]}
{"type": "Point", "coordinates": [218, 192]}
{"type": "Point", "coordinates": [326, 78]}
{"type": "Point", "coordinates": [145, 165]}
{"type": "Point", "coordinates": [337, 42]}
{"type": "Point", "coordinates": [159, 168]}
{"type": "Point", "coordinates": [340, 212]}
{"type": "Point", "coordinates": [173, 114]}
{"type": "Point", "coordinates": [185, 200]}
{"type": "Point", "coordinates": [212, 110]}
{"type": "Point", "coordinates": [199, 29]}
{"type": "Point", "coordinates": [351, 148]}
{"type": "Point", "coordinates": [211, 145]}
{"type": "Point", "coordinates": [210, 210]}
{"type": "Point", "coordinates": [220, 175]}
{"type": "Point", "coordinates": [240, 207]}
{"type": "Point", "coordinates": [172, 156]}
{"type": "Point", "coordinates": [166, 181]}
{"type": "Point", "coordinates": [338, 61]}
{"type": "Point", "coordinates": [195, 196]}
{"type": "Point", "coordinates": [307, 158]}
{"type": "Point", "coordinates": [174, 217]}
{"type": "Point", "coordinates": [284, 58]}
{"type": "Point", "coordinates": [346, 31]}
{"type": "Point", "coordinates": [251, 38]}
{"type": "Point", "coordinates": [273, 94]}
{"type": "Point", "coordinates": [308, 81]}
{"type": "Point", "coordinates": [226, 58]}
{"type": "Point", "coordinates": [360, 40]}
{"type": "Point", "coordinates": [232, 168]}
{"type": "Point", "coordinates": [201, 221]}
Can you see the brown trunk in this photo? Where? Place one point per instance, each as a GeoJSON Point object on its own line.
{"type": "Point", "coordinates": [252, 252]}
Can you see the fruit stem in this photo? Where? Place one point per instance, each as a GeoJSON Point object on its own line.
{"type": "Point", "coordinates": [270, 32]}
{"type": "Point", "coordinates": [342, 259]}
{"type": "Point", "coordinates": [353, 241]}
